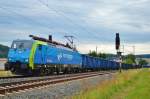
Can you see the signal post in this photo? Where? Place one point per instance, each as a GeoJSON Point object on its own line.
{"type": "Point", "coordinates": [119, 53]}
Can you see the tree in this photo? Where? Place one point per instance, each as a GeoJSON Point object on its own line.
{"type": "Point", "coordinates": [93, 53]}
{"type": "Point", "coordinates": [3, 51]}
{"type": "Point", "coordinates": [130, 59]}
{"type": "Point", "coordinates": [102, 55]}
{"type": "Point", "coordinates": [143, 62]}
{"type": "Point", "coordinates": [99, 55]}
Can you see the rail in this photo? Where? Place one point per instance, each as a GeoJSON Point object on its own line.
{"type": "Point", "coordinates": [22, 85]}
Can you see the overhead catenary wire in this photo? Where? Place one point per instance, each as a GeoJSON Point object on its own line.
{"type": "Point", "coordinates": [26, 18]}
{"type": "Point", "coordinates": [91, 34]}
{"type": "Point", "coordinates": [17, 14]}
{"type": "Point", "coordinates": [68, 19]}
{"type": "Point", "coordinates": [45, 25]}
{"type": "Point", "coordinates": [71, 21]}
{"type": "Point", "coordinates": [60, 13]}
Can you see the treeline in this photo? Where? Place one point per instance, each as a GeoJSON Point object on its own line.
{"type": "Point", "coordinates": [128, 59]}
{"type": "Point", "coordinates": [3, 51]}
{"type": "Point", "coordinates": [131, 59]}
{"type": "Point", "coordinates": [100, 55]}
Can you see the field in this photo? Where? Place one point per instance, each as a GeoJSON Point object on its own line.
{"type": "Point", "coordinates": [5, 73]}
{"type": "Point", "coordinates": [131, 84]}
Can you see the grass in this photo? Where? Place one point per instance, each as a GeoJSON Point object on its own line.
{"type": "Point", "coordinates": [131, 84]}
{"type": "Point", "coordinates": [4, 73]}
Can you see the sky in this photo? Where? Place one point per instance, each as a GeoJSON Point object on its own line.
{"type": "Point", "coordinates": [92, 23]}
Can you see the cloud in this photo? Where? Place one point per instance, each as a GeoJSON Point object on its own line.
{"type": "Point", "coordinates": [92, 22]}
{"type": "Point", "coordinates": [121, 16]}
{"type": "Point", "coordinates": [126, 48]}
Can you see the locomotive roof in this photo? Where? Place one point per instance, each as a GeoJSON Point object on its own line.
{"type": "Point", "coordinates": [17, 40]}
{"type": "Point", "coordinates": [62, 47]}
{"type": "Point", "coordinates": [57, 46]}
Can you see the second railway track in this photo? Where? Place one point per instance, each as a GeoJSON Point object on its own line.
{"type": "Point", "coordinates": [6, 88]}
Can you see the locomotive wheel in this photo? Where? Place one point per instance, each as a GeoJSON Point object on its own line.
{"type": "Point", "coordinates": [65, 71]}
{"type": "Point", "coordinates": [57, 71]}
{"type": "Point", "coordinates": [42, 71]}
{"type": "Point", "coordinates": [47, 72]}
{"type": "Point", "coordinates": [51, 70]}
{"type": "Point", "coordinates": [12, 70]}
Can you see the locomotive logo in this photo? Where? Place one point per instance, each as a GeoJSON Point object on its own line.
{"type": "Point", "coordinates": [65, 56]}
{"type": "Point", "coordinates": [49, 61]}
{"type": "Point", "coordinates": [59, 56]}
{"type": "Point", "coordinates": [68, 56]}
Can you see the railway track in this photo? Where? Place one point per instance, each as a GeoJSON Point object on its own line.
{"type": "Point", "coordinates": [12, 77]}
{"type": "Point", "coordinates": [6, 88]}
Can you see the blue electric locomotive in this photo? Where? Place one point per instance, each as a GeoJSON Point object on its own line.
{"type": "Point", "coordinates": [40, 57]}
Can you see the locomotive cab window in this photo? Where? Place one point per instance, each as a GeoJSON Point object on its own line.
{"type": "Point", "coordinates": [22, 44]}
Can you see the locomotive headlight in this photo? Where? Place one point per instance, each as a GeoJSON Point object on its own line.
{"type": "Point", "coordinates": [9, 59]}
{"type": "Point", "coordinates": [26, 60]}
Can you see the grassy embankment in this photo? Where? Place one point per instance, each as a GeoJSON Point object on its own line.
{"type": "Point", "coordinates": [4, 73]}
{"type": "Point", "coordinates": [132, 84]}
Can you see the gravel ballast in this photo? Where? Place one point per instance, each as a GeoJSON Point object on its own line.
{"type": "Point", "coordinates": [61, 90]}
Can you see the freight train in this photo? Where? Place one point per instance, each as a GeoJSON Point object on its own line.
{"type": "Point", "coordinates": [41, 56]}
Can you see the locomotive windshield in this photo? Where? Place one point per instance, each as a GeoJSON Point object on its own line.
{"type": "Point", "coordinates": [22, 44]}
